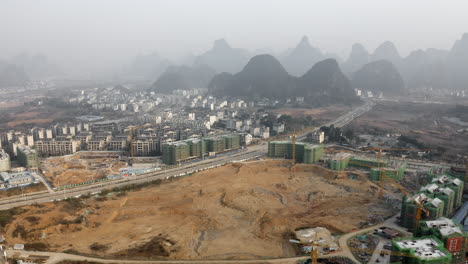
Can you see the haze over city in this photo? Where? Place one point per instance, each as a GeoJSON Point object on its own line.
{"type": "Point", "coordinates": [106, 35]}
{"type": "Point", "coordinates": [233, 131]}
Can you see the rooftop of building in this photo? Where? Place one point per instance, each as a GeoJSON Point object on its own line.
{"type": "Point", "coordinates": [361, 157]}
{"type": "Point", "coordinates": [176, 143]}
{"type": "Point", "coordinates": [434, 188]}
{"type": "Point", "coordinates": [444, 179]}
{"type": "Point", "coordinates": [26, 149]}
{"type": "Point", "coordinates": [424, 248]}
{"type": "Point", "coordinates": [342, 156]}
{"type": "Point", "coordinates": [305, 144]}
{"type": "Point", "coordinates": [445, 226]}
{"type": "Point", "coordinates": [6, 176]}
{"type": "Point", "coordinates": [4, 155]}
{"type": "Point", "coordinates": [424, 199]}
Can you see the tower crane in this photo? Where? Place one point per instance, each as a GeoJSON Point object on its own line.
{"type": "Point", "coordinates": [314, 252]}
{"type": "Point", "coordinates": [381, 168]}
{"type": "Point", "coordinates": [418, 201]}
{"type": "Point", "coordinates": [293, 149]}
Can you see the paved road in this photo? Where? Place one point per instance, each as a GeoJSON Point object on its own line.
{"type": "Point", "coordinates": [162, 174]}
{"type": "Point", "coordinates": [378, 249]}
{"type": "Point", "coordinates": [59, 257]}
{"type": "Point", "coordinates": [343, 242]}
{"type": "Point", "coordinates": [46, 183]}
{"type": "Point", "coordinates": [391, 222]}
{"type": "Point", "coordinates": [344, 119]}
{"type": "Point", "coordinates": [252, 152]}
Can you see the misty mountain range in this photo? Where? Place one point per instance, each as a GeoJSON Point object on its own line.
{"type": "Point", "coordinates": [264, 76]}
{"type": "Point", "coordinates": [383, 70]}
{"type": "Point", "coordinates": [18, 70]}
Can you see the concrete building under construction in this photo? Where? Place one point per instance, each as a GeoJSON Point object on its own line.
{"type": "Point", "coordinates": [305, 152]}
{"type": "Point", "coordinates": [179, 151]}
{"type": "Point", "coordinates": [215, 144]}
{"type": "Point", "coordinates": [395, 170]}
{"type": "Point", "coordinates": [366, 162]}
{"type": "Point", "coordinates": [340, 161]}
{"type": "Point", "coordinates": [452, 236]}
{"type": "Point", "coordinates": [441, 197]}
{"type": "Point", "coordinates": [5, 163]}
{"type": "Point", "coordinates": [409, 208]}
{"type": "Point", "coordinates": [175, 152]}
{"type": "Point", "coordinates": [27, 157]}
{"type": "Point", "coordinates": [421, 250]}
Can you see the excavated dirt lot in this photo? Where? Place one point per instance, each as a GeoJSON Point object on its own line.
{"type": "Point", "coordinates": [239, 211]}
{"type": "Point", "coordinates": [74, 169]}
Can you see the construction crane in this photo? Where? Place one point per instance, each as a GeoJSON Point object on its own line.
{"type": "Point", "coordinates": [314, 252]}
{"type": "Point", "coordinates": [419, 203]}
{"type": "Point", "coordinates": [381, 168]}
{"type": "Point", "coordinates": [293, 149]}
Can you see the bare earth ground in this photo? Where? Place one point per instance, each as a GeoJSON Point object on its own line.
{"type": "Point", "coordinates": [35, 116]}
{"type": "Point", "coordinates": [28, 189]}
{"type": "Point", "coordinates": [321, 113]}
{"type": "Point", "coordinates": [238, 211]}
{"type": "Point", "coordinates": [425, 122]}
{"type": "Point", "coordinates": [73, 169]}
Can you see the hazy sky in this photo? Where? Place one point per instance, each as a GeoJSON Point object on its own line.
{"type": "Point", "coordinates": [110, 32]}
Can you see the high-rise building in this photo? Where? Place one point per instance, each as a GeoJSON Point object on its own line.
{"type": "Point", "coordinates": [5, 164]}
{"type": "Point", "coordinates": [27, 157]}
{"type": "Point", "coordinates": [340, 161]}
{"type": "Point", "coordinates": [409, 208]}
{"type": "Point", "coordinates": [57, 147]}
{"type": "Point", "coordinates": [215, 144]}
{"type": "Point", "coordinates": [305, 152]}
{"type": "Point", "coordinates": [175, 152]}
{"type": "Point", "coordinates": [451, 234]}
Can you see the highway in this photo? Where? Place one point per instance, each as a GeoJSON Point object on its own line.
{"type": "Point", "coordinates": [162, 174]}
{"type": "Point", "coordinates": [344, 119]}
{"type": "Point", "coordinates": [250, 153]}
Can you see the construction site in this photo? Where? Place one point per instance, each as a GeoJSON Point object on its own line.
{"type": "Point", "coordinates": [80, 167]}
{"type": "Point", "coordinates": [238, 211]}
